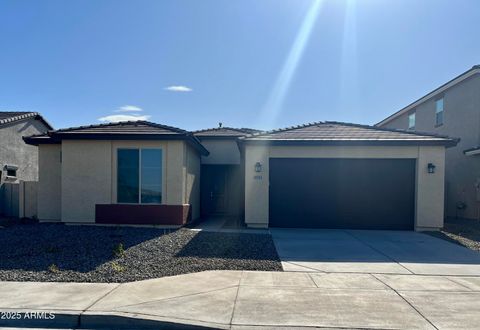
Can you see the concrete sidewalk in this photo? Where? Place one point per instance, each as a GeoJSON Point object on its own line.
{"type": "Point", "coordinates": [243, 299]}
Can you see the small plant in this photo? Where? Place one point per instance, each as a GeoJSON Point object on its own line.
{"type": "Point", "coordinates": [117, 267]}
{"type": "Point", "coordinates": [119, 250]}
{"type": "Point", "coordinates": [53, 268]}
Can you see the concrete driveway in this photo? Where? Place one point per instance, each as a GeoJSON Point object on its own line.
{"type": "Point", "coordinates": [368, 251]}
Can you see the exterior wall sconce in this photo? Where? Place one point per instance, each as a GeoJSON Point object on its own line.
{"type": "Point", "coordinates": [431, 168]}
{"type": "Point", "coordinates": [258, 167]}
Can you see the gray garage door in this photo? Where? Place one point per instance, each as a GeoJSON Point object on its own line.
{"type": "Point", "coordinates": [342, 193]}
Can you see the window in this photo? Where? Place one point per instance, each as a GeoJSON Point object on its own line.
{"type": "Point", "coordinates": [151, 177]}
{"type": "Point", "coordinates": [12, 173]}
{"type": "Point", "coordinates": [139, 176]}
{"type": "Point", "coordinates": [128, 182]}
{"type": "Point", "coordinates": [411, 121]}
{"type": "Point", "coordinates": [439, 112]}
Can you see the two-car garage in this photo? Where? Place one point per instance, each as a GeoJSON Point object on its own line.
{"type": "Point", "coordinates": [337, 175]}
{"type": "Point", "coordinates": [342, 193]}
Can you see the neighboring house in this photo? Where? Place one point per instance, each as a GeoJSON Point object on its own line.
{"type": "Point", "coordinates": [325, 175]}
{"type": "Point", "coordinates": [452, 109]}
{"type": "Point", "coordinates": [18, 161]}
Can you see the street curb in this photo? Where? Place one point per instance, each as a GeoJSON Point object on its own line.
{"type": "Point", "coordinates": [99, 320]}
{"type": "Point", "coordinates": [22, 318]}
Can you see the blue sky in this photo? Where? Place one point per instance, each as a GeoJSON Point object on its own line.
{"type": "Point", "coordinates": [246, 63]}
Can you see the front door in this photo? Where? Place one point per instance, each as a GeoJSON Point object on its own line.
{"type": "Point", "coordinates": [213, 191]}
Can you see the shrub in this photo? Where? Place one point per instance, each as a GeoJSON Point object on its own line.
{"type": "Point", "coordinates": [117, 267]}
{"type": "Point", "coordinates": [53, 268]}
{"type": "Point", "coordinates": [119, 250]}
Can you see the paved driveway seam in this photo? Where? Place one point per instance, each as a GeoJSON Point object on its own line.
{"type": "Point", "coordinates": [313, 269]}
{"type": "Point", "coordinates": [311, 278]}
{"type": "Point", "coordinates": [448, 278]}
{"type": "Point", "coordinates": [378, 251]}
{"type": "Point", "coordinates": [102, 297]}
{"type": "Point", "coordinates": [236, 297]}
{"type": "Point", "coordinates": [408, 302]}
{"type": "Point", "coordinates": [176, 297]}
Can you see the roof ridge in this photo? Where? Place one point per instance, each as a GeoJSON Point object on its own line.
{"type": "Point", "coordinates": [281, 129]}
{"type": "Point", "coordinates": [19, 112]}
{"type": "Point", "coordinates": [396, 130]}
{"type": "Point", "coordinates": [217, 128]}
{"type": "Point", "coordinates": [19, 115]}
{"type": "Point", "coordinates": [120, 123]}
{"type": "Point", "coordinates": [241, 130]}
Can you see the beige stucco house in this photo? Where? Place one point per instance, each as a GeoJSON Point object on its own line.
{"type": "Point", "coordinates": [322, 175]}
{"type": "Point", "coordinates": [127, 173]}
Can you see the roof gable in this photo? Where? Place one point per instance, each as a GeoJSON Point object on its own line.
{"type": "Point", "coordinates": [438, 91]}
{"type": "Point", "coordinates": [7, 117]}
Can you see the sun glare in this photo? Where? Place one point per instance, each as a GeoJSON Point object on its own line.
{"type": "Point", "coordinates": [272, 108]}
{"type": "Point", "coordinates": [349, 90]}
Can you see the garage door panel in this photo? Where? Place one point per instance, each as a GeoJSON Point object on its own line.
{"type": "Point", "coordinates": [342, 193]}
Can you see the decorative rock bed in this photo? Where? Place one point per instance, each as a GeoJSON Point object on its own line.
{"type": "Point", "coordinates": [56, 252]}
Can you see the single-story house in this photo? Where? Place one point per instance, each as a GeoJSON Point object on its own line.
{"type": "Point", "coordinates": [321, 175]}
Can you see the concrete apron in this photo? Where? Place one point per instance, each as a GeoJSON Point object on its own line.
{"type": "Point", "coordinates": [372, 251]}
{"type": "Point", "coordinates": [243, 299]}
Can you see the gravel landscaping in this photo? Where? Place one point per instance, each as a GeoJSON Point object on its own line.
{"type": "Point", "coordinates": [461, 231]}
{"type": "Point", "coordinates": [56, 252]}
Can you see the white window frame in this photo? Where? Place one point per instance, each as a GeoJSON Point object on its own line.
{"type": "Point", "coordinates": [139, 202]}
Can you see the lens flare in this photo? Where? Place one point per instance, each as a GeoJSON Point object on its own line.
{"type": "Point", "coordinates": [272, 108]}
{"type": "Point", "coordinates": [349, 88]}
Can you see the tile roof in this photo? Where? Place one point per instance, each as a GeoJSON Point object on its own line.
{"type": "Point", "coordinates": [13, 116]}
{"type": "Point", "coordinates": [224, 132]}
{"type": "Point", "coordinates": [124, 127]}
{"type": "Point", "coordinates": [346, 133]}
{"type": "Point", "coordinates": [128, 130]}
